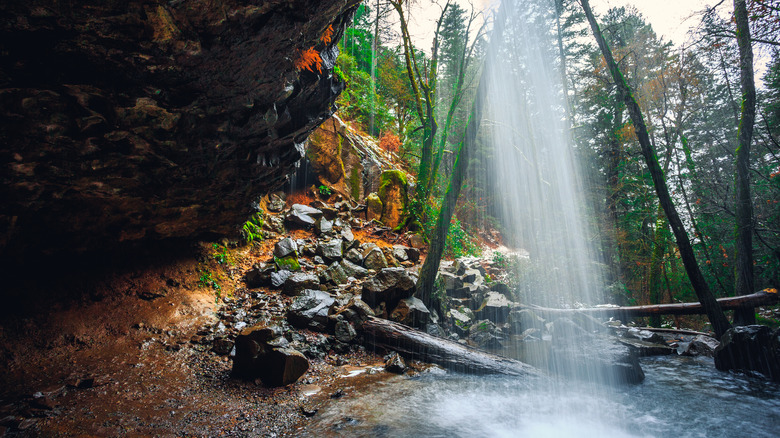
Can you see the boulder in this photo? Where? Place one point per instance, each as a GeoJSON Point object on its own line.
{"type": "Point", "coordinates": [472, 276]}
{"type": "Point", "coordinates": [344, 332]}
{"type": "Point", "coordinates": [259, 275]}
{"type": "Point", "coordinates": [461, 318]}
{"type": "Point", "coordinates": [300, 214]}
{"type": "Point", "coordinates": [395, 364]}
{"type": "Point", "coordinates": [373, 258]}
{"type": "Point", "coordinates": [323, 226]}
{"type": "Point", "coordinates": [390, 285]}
{"type": "Point", "coordinates": [298, 282]}
{"type": "Point", "coordinates": [274, 224]}
{"type": "Point", "coordinates": [485, 334]}
{"type": "Point", "coordinates": [644, 335]}
{"type": "Point", "coordinates": [417, 241]}
{"type": "Point", "coordinates": [310, 310]}
{"type": "Point", "coordinates": [262, 352]}
{"type": "Point", "coordinates": [494, 307]}
{"type": "Point", "coordinates": [354, 256]}
{"type": "Point", "coordinates": [285, 247]}
{"type": "Point", "coordinates": [451, 281]}
{"type": "Point", "coordinates": [412, 312]}
{"type": "Point", "coordinates": [750, 348]}
{"type": "Point", "coordinates": [393, 194]}
{"type": "Point", "coordinates": [353, 270]}
{"type": "Point", "coordinates": [414, 254]}
{"type": "Point", "coordinates": [289, 263]}
{"type": "Point", "coordinates": [362, 309]}
{"type": "Point", "coordinates": [399, 253]}
{"type": "Point", "coordinates": [275, 203]}
{"type": "Point", "coordinates": [521, 320]}
{"type": "Point", "coordinates": [466, 290]}
{"type": "Point", "coordinates": [701, 345]}
{"type": "Point", "coordinates": [279, 277]}
{"type": "Point", "coordinates": [346, 234]}
{"type": "Point", "coordinates": [334, 274]}
{"type": "Point", "coordinates": [330, 250]}
{"type": "Point", "coordinates": [579, 354]}
{"type": "Point", "coordinates": [373, 207]}
{"type": "Point", "coordinates": [391, 260]}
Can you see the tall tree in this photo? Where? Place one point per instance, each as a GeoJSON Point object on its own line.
{"type": "Point", "coordinates": [423, 80]}
{"type": "Point", "coordinates": [744, 205]}
{"type": "Point", "coordinates": [425, 286]}
{"type": "Point", "coordinates": [716, 316]}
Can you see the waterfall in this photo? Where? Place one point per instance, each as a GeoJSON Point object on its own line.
{"type": "Point", "coordinates": [534, 173]}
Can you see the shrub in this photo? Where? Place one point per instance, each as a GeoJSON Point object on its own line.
{"type": "Point", "coordinates": [390, 142]}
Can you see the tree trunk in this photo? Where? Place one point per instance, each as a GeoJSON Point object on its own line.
{"type": "Point", "coordinates": [762, 298]}
{"type": "Point", "coordinates": [614, 157]}
{"type": "Point", "coordinates": [744, 208]}
{"type": "Point", "coordinates": [562, 54]}
{"type": "Point", "coordinates": [448, 354]}
{"type": "Point", "coordinates": [439, 236]}
{"type": "Point", "coordinates": [716, 316]}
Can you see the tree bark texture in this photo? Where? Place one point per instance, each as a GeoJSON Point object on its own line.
{"type": "Point", "coordinates": [444, 352]}
{"type": "Point", "coordinates": [743, 236]}
{"type": "Point", "coordinates": [716, 316]}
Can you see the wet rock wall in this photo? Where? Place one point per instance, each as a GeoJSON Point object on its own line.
{"type": "Point", "coordinates": [124, 122]}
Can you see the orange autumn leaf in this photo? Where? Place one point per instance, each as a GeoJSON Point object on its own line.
{"type": "Point", "coordinates": [327, 36]}
{"type": "Point", "coordinates": [309, 59]}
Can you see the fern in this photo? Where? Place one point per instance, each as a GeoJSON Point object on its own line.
{"type": "Point", "coordinates": [327, 36]}
{"type": "Point", "coordinates": [309, 59]}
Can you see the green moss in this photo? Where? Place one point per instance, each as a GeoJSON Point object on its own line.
{"type": "Point", "coordinates": [289, 263]}
{"type": "Point", "coordinates": [338, 154]}
{"type": "Point", "coordinates": [354, 183]}
{"type": "Point", "coordinates": [392, 177]}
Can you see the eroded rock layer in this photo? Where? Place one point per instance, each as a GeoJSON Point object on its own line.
{"type": "Point", "coordinates": [136, 120]}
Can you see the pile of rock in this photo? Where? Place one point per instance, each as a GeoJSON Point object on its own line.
{"type": "Point", "coordinates": [335, 281]}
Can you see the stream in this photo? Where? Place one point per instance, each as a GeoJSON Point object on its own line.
{"type": "Point", "coordinates": [681, 397]}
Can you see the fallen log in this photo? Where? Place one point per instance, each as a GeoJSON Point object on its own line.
{"type": "Point", "coordinates": [766, 297]}
{"type": "Point", "coordinates": [444, 352]}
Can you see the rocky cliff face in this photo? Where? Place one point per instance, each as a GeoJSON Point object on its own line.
{"type": "Point", "coordinates": [345, 160]}
{"type": "Point", "coordinates": [135, 120]}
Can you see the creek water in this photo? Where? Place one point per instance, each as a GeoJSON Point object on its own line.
{"type": "Point", "coordinates": [681, 397]}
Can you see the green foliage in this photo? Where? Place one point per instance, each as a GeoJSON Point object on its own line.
{"type": "Point", "coordinates": [340, 75]}
{"type": "Point", "coordinates": [221, 255]}
{"type": "Point", "coordinates": [459, 242]}
{"type": "Point", "coordinates": [208, 279]}
{"type": "Point", "coordinates": [252, 229]}
{"type": "Point", "coordinates": [324, 190]}
{"type": "Point", "coordinates": [358, 102]}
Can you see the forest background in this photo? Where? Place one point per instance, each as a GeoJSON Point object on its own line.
{"type": "Point", "coordinates": [416, 98]}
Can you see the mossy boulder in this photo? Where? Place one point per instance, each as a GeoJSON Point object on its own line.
{"type": "Point", "coordinates": [393, 192]}
{"type": "Point", "coordinates": [373, 207]}
{"type": "Point", "coordinates": [288, 263]}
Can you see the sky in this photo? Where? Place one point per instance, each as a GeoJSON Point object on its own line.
{"type": "Point", "coordinates": [670, 19]}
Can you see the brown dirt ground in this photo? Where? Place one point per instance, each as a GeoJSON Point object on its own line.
{"type": "Point", "coordinates": [85, 355]}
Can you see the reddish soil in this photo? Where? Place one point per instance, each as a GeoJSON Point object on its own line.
{"type": "Point", "coordinates": [101, 357]}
